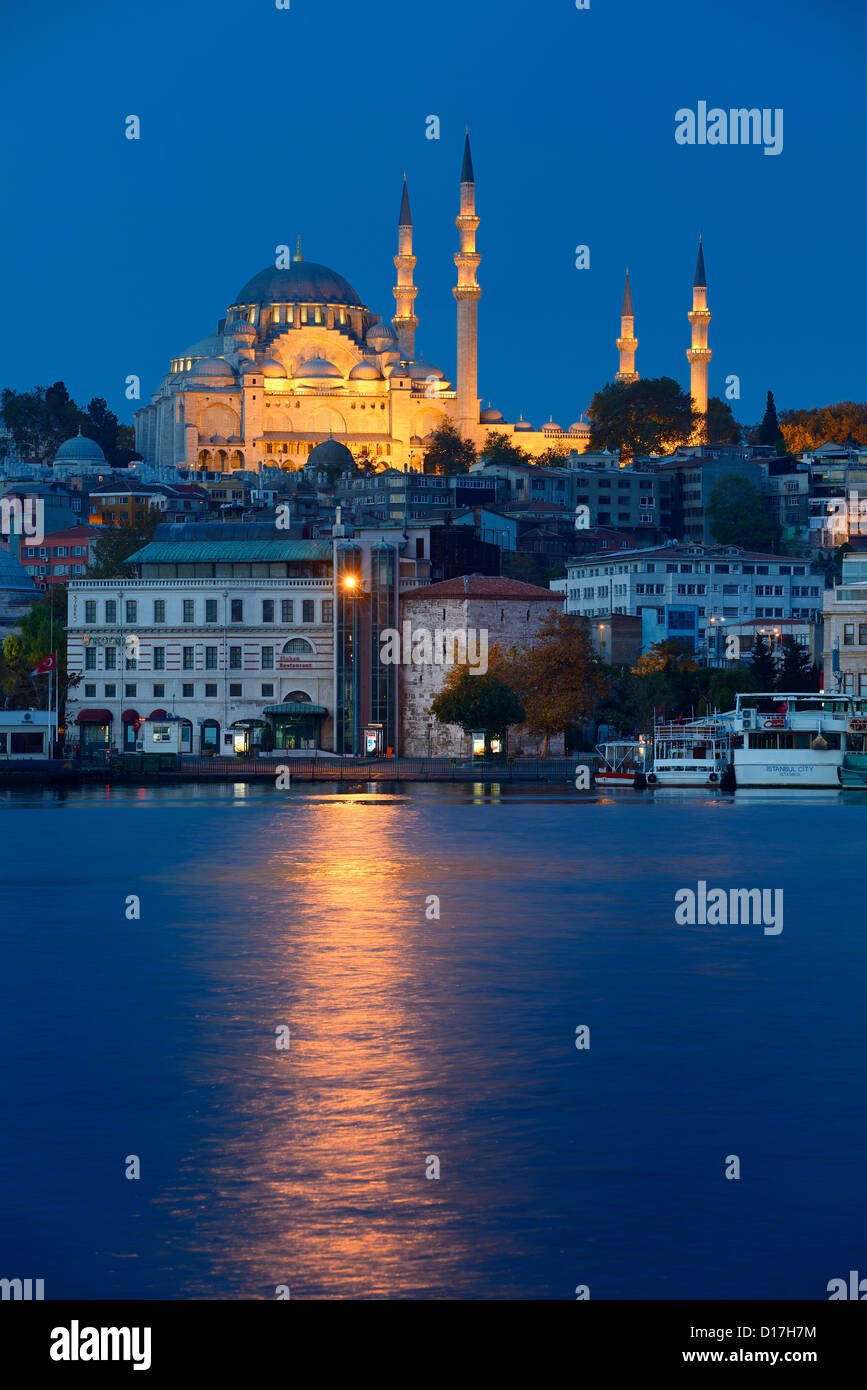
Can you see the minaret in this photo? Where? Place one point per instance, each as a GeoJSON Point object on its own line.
{"type": "Point", "coordinates": [467, 293]}
{"type": "Point", "coordinates": [699, 354]}
{"type": "Point", "coordinates": [627, 342]}
{"type": "Point", "coordinates": [405, 321]}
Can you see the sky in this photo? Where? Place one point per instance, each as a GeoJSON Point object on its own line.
{"type": "Point", "coordinates": [259, 123]}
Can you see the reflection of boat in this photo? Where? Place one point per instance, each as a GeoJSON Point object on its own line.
{"type": "Point", "coordinates": [691, 754]}
{"type": "Point", "coordinates": [790, 740]}
{"type": "Point", "coordinates": [621, 761]}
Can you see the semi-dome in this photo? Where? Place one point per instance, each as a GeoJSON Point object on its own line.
{"type": "Point", "coordinates": [381, 333]}
{"type": "Point", "coordinates": [271, 367]}
{"type": "Point", "coordinates": [491, 417]}
{"type": "Point", "coordinates": [302, 282]}
{"type": "Point", "coordinates": [329, 452]}
{"type": "Point", "coordinates": [422, 371]}
{"type": "Point", "coordinates": [212, 367]}
{"type": "Point", "coordinates": [365, 371]}
{"type": "Point", "coordinates": [79, 449]}
{"type": "Point", "coordinates": [317, 369]}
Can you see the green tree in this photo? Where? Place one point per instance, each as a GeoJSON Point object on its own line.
{"type": "Point", "coordinates": [41, 631]}
{"type": "Point", "coordinates": [499, 448]}
{"type": "Point", "coordinates": [737, 514]}
{"type": "Point", "coordinates": [559, 678]}
{"type": "Point", "coordinates": [763, 665]}
{"type": "Point", "coordinates": [769, 432]}
{"type": "Point", "coordinates": [116, 441]}
{"type": "Point", "coordinates": [115, 544]}
{"type": "Point", "coordinates": [651, 416]}
{"type": "Point", "coordinates": [720, 424]}
{"type": "Point", "coordinates": [447, 451]}
{"type": "Point", "coordinates": [796, 670]}
{"type": "Point", "coordinates": [475, 701]}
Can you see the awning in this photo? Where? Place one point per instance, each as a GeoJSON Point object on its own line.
{"type": "Point", "coordinates": [158, 714]}
{"type": "Point", "coordinates": [94, 716]}
{"type": "Point", "coordinates": [295, 707]}
{"type": "Point", "coordinates": [130, 716]}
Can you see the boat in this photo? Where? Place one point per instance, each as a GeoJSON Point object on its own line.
{"type": "Point", "coordinates": [621, 761]}
{"type": "Point", "coordinates": [691, 753]}
{"type": "Point", "coordinates": [781, 739]}
{"type": "Point", "coordinates": [853, 769]}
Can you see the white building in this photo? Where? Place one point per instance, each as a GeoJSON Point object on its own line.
{"type": "Point", "coordinates": [845, 651]}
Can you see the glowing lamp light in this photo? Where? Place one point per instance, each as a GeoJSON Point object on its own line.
{"type": "Point", "coordinates": [349, 581]}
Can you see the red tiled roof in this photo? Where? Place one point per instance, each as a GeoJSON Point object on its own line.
{"type": "Point", "coordinates": [486, 586]}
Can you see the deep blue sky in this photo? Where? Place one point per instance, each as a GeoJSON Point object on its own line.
{"type": "Point", "coordinates": [259, 123]}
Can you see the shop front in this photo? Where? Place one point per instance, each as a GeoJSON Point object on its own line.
{"type": "Point", "coordinates": [94, 732]}
{"type": "Point", "coordinates": [249, 736]}
{"type": "Point", "coordinates": [131, 721]}
{"type": "Point", "coordinates": [297, 724]}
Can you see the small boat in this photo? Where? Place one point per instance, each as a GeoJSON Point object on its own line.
{"type": "Point", "coordinates": [621, 761]}
{"type": "Point", "coordinates": [695, 753]}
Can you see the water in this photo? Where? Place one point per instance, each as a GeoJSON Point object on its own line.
{"type": "Point", "coordinates": [413, 1037]}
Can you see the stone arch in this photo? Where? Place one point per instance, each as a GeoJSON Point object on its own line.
{"type": "Point", "coordinates": [219, 419]}
{"type": "Point", "coordinates": [325, 420]}
{"type": "Point", "coordinates": [424, 421]}
{"type": "Point", "coordinates": [300, 696]}
{"type": "Point", "coordinates": [298, 646]}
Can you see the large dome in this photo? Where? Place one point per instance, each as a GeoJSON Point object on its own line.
{"type": "Point", "coordinates": [302, 282]}
{"type": "Point", "coordinates": [79, 449]}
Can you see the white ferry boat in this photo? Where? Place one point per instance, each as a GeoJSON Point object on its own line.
{"type": "Point", "coordinates": [696, 753]}
{"type": "Point", "coordinates": [621, 761]}
{"type": "Point", "coordinates": [789, 740]}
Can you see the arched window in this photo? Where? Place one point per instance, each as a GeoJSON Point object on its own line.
{"type": "Point", "coordinates": [296, 645]}
{"type": "Point", "coordinates": [299, 696]}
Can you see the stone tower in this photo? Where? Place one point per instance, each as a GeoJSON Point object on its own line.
{"type": "Point", "coordinates": [699, 354]}
{"type": "Point", "coordinates": [467, 293]}
{"type": "Point", "coordinates": [627, 342]}
{"type": "Point", "coordinates": [405, 321]}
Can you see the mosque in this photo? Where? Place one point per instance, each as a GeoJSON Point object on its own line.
{"type": "Point", "coordinates": [299, 359]}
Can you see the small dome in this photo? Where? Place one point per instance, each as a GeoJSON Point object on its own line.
{"type": "Point", "coordinates": [381, 333]}
{"type": "Point", "coordinates": [234, 439]}
{"type": "Point", "coordinates": [212, 367]}
{"type": "Point", "coordinates": [330, 451]}
{"type": "Point", "coordinates": [79, 449]}
{"type": "Point", "coordinates": [522, 424]}
{"type": "Point", "coordinates": [271, 367]}
{"type": "Point", "coordinates": [242, 329]}
{"type": "Point", "coordinates": [491, 417]}
{"type": "Point", "coordinates": [579, 427]}
{"type": "Point", "coordinates": [365, 371]}
{"type": "Point", "coordinates": [421, 371]}
{"type": "Point", "coordinates": [551, 427]}
{"type": "Point", "coordinates": [315, 369]}
{"type": "Point", "coordinates": [218, 439]}
{"type": "Point", "coordinates": [397, 369]}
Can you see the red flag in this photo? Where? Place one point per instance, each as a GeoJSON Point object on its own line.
{"type": "Point", "coordinates": [48, 663]}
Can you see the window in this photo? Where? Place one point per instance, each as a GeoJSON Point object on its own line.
{"type": "Point", "coordinates": [90, 610]}
{"type": "Point", "coordinates": [235, 690]}
{"type": "Point", "coordinates": [327, 610]}
{"type": "Point", "coordinates": [287, 610]}
{"type": "Point", "coordinates": [159, 658]}
{"type": "Point", "coordinates": [297, 646]}
{"type": "Point", "coordinates": [79, 550]}
{"type": "Point", "coordinates": [849, 682]}
{"type": "Point", "coordinates": [210, 691]}
{"type": "Point", "coordinates": [237, 610]}
{"type": "Point", "coordinates": [90, 692]}
{"type": "Point", "coordinates": [110, 691]}
{"type": "Point", "coordinates": [188, 690]}
{"type": "Point", "coordinates": [862, 634]}
{"type": "Point", "coordinates": [159, 692]}
{"type": "Point", "coordinates": [210, 610]}
{"type": "Point", "coordinates": [268, 689]}
{"type": "Point", "coordinates": [110, 611]}
{"type": "Point", "coordinates": [111, 658]}
{"type": "Point", "coordinates": [129, 690]}
{"type": "Point", "coordinates": [848, 634]}
{"type": "Point", "coordinates": [189, 610]}
{"type": "Point", "coordinates": [235, 658]}
{"type": "Point", "coordinates": [210, 658]}
{"type": "Point", "coordinates": [61, 569]}
{"type": "Point", "coordinates": [90, 658]}
{"type": "Point", "coordinates": [159, 610]}
{"type": "Point", "coordinates": [267, 610]}
{"type": "Point", "coordinates": [189, 659]}
{"type": "Point", "coordinates": [131, 611]}
{"type": "Point", "coordinates": [267, 658]}
{"type": "Point", "coordinates": [308, 612]}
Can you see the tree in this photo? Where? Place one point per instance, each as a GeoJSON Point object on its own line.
{"type": "Point", "coordinates": [670, 653]}
{"type": "Point", "coordinates": [737, 515]}
{"type": "Point", "coordinates": [116, 441]}
{"type": "Point", "coordinates": [763, 665]}
{"type": "Point", "coordinates": [843, 423]}
{"type": "Point", "coordinates": [769, 432]}
{"type": "Point", "coordinates": [498, 448]}
{"type": "Point", "coordinates": [447, 451]}
{"type": "Point", "coordinates": [796, 671]}
{"type": "Point", "coordinates": [559, 678]}
{"type": "Point", "coordinates": [40, 420]}
{"type": "Point", "coordinates": [115, 544]}
{"type": "Point", "coordinates": [651, 416]}
{"type": "Point", "coordinates": [41, 631]}
{"type": "Point", "coordinates": [720, 424]}
{"type": "Point", "coordinates": [475, 701]}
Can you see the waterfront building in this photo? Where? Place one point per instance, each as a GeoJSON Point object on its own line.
{"type": "Point", "coordinates": [508, 611]}
{"type": "Point", "coordinates": [27, 735]}
{"type": "Point", "coordinates": [686, 586]}
{"type": "Point", "coordinates": [695, 473]}
{"type": "Point", "coordinates": [844, 656]}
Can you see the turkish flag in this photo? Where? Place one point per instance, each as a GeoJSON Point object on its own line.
{"type": "Point", "coordinates": [48, 663]}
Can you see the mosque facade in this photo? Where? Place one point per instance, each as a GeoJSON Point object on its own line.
{"type": "Point", "coordinates": [299, 359]}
